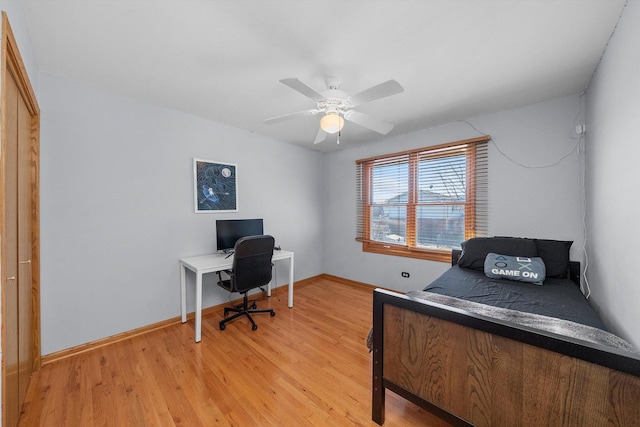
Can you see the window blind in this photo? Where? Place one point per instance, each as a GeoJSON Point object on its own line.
{"type": "Point", "coordinates": [431, 198]}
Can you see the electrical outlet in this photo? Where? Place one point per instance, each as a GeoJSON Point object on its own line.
{"type": "Point", "coordinates": [405, 274]}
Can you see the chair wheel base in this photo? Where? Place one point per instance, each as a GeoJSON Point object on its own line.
{"type": "Point", "coordinates": [245, 309]}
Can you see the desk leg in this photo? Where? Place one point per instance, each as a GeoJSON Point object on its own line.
{"type": "Point", "coordinates": [290, 299]}
{"type": "Point", "coordinates": [198, 306]}
{"type": "Point", "coordinates": [183, 293]}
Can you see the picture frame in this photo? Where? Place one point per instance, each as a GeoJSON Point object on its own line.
{"type": "Point", "coordinates": [215, 186]}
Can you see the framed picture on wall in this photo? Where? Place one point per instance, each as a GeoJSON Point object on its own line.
{"type": "Point", "coordinates": [215, 186]}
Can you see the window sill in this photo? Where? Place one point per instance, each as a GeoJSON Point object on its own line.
{"type": "Point", "coordinates": [400, 250]}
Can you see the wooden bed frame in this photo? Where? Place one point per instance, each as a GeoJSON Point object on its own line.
{"type": "Point", "coordinates": [473, 370]}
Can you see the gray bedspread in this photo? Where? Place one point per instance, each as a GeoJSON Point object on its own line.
{"type": "Point", "coordinates": [537, 321]}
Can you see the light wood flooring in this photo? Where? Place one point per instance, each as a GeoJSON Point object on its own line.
{"type": "Point", "coordinates": [307, 366]}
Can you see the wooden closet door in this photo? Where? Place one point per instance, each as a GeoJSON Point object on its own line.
{"type": "Point", "coordinates": [11, 384]}
{"type": "Point", "coordinates": [19, 353]}
{"type": "Point", "coordinates": [19, 229]}
{"type": "Point", "coordinates": [25, 307]}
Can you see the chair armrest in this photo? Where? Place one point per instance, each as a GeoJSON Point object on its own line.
{"type": "Point", "coordinates": [227, 272]}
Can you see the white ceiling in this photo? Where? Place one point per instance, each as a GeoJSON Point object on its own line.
{"type": "Point", "coordinates": [223, 60]}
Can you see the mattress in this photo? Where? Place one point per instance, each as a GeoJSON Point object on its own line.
{"type": "Point", "coordinates": [560, 298]}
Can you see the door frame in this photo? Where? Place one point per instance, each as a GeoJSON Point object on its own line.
{"type": "Point", "coordinates": [10, 60]}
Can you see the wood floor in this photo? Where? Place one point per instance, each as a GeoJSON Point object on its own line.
{"type": "Point", "coordinates": [307, 366]}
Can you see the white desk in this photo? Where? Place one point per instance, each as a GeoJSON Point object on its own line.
{"type": "Point", "coordinates": [210, 264]}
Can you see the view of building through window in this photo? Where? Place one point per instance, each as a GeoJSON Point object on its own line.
{"type": "Point", "coordinates": [439, 206]}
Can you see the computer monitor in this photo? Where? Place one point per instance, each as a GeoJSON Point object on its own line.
{"type": "Point", "coordinates": [228, 231]}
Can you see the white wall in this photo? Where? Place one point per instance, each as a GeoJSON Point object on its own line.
{"type": "Point", "coordinates": [613, 147]}
{"type": "Point", "coordinates": [117, 208]}
{"type": "Point", "coordinates": [523, 201]}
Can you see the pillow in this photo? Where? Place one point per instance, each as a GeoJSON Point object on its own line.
{"type": "Point", "coordinates": [555, 254]}
{"type": "Point", "coordinates": [475, 250]}
{"type": "Point", "coordinates": [522, 269]}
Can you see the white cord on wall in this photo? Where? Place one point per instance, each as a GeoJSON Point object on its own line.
{"type": "Point", "coordinates": [584, 282]}
{"type": "Point", "coordinates": [514, 161]}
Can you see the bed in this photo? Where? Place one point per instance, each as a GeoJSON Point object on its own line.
{"type": "Point", "coordinates": [494, 351]}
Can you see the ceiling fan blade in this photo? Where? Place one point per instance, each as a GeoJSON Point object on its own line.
{"type": "Point", "coordinates": [388, 88]}
{"type": "Point", "coordinates": [368, 122]}
{"type": "Point", "coordinates": [303, 88]}
{"type": "Point", "coordinates": [320, 136]}
{"type": "Point", "coordinates": [290, 116]}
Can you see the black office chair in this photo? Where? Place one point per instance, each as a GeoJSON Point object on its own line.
{"type": "Point", "coordinates": [252, 268]}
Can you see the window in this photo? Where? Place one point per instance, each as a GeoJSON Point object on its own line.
{"type": "Point", "coordinates": [423, 203]}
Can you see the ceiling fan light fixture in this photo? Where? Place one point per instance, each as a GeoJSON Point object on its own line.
{"type": "Point", "coordinates": [336, 106]}
{"type": "Point", "coordinates": [331, 123]}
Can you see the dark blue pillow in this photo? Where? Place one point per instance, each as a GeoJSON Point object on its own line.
{"type": "Point", "coordinates": [522, 269]}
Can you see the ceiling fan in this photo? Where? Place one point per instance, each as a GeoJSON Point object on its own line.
{"type": "Point", "coordinates": [336, 106]}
